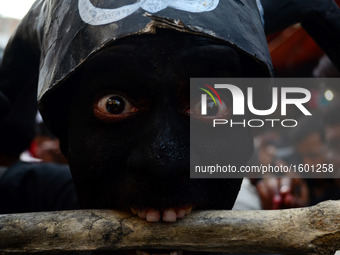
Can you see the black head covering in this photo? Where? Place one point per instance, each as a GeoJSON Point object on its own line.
{"type": "Point", "coordinates": [56, 37]}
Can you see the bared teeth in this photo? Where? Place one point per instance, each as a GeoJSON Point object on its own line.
{"type": "Point", "coordinates": [180, 213]}
{"type": "Point", "coordinates": [188, 210]}
{"type": "Point", "coordinates": [168, 215]}
{"type": "Point", "coordinates": [153, 215]}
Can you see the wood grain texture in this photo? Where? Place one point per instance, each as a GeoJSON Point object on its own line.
{"type": "Point", "coordinates": [311, 230]}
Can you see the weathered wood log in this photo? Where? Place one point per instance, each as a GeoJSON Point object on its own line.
{"type": "Point", "coordinates": [312, 230]}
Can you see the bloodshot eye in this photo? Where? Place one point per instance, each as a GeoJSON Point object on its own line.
{"type": "Point", "coordinates": [114, 107]}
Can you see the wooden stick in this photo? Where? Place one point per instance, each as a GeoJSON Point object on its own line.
{"type": "Point", "coordinates": [311, 230]}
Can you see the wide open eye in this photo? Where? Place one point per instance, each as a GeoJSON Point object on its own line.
{"type": "Point", "coordinates": [114, 107]}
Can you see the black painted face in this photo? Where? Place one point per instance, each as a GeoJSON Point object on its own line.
{"type": "Point", "coordinates": [128, 131]}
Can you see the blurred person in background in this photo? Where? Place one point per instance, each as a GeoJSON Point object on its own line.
{"type": "Point", "coordinates": [27, 186]}
{"type": "Point", "coordinates": [314, 143]}
{"type": "Point", "coordinates": [326, 68]}
{"type": "Point", "coordinates": [17, 130]}
{"type": "Point", "coordinates": [332, 127]}
{"type": "Point", "coordinates": [332, 138]}
{"type": "Point", "coordinates": [307, 140]}
{"type": "Point", "coordinates": [45, 147]}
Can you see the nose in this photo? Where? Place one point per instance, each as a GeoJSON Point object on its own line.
{"type": "Point", "coordinates": [162, 151]}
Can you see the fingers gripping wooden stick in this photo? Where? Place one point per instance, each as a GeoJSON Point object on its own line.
{"type": "Point", "coordinates": [312, 230]}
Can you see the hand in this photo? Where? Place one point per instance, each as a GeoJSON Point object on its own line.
{"type": "Point", "coordinates": [282, 193]}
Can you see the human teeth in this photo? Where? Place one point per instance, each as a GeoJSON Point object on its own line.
{"type": "Point", "coordinates": [169, 215]}
{"type": "Point", "coordinates": [153, 215]}
{"type": "Point", "coordinates": [188, 210]}
{"type": "Point", "coordinates": [180, 213]}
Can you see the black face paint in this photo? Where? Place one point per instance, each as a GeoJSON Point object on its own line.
{"type": "Point", "coordinates": [140, 157]}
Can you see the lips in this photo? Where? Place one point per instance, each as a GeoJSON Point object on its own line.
{"type": "Point", "coordinates": [167, 215]}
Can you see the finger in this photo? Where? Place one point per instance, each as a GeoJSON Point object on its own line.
{"type": "Point", "coordinates": [289, 201]}
{"type": "Point", "coordinates": [302, 199]}
{"type": "Point", "coordinates": [274, 184]}
{"type": "Point", "coordinates": [277, 202]}
{"type": "Point", "coordinates": [286, 186]}
{"type": "Point", "coordinates": [264, 194]}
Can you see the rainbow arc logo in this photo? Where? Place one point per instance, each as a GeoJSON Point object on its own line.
{"type": "Point", "coordinates": [204, 98]}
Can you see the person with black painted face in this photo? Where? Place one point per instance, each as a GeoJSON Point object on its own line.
{"type": "Point", "coordinates": [113, 86]}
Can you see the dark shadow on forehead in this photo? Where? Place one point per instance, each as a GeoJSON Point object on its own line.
{"type": "Point", "coordinates": [158, 61]}
{"type": "Point", "coordinates": [160, 47]}
{"type": "Point", "coordinates": [148, 51]}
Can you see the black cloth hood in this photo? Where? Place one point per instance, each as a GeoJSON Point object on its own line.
{"type": "Point", "coordinates": [58, 36]}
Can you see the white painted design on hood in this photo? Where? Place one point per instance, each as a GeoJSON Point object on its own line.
{"type": "Point", "coordinates": [98, 16]}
